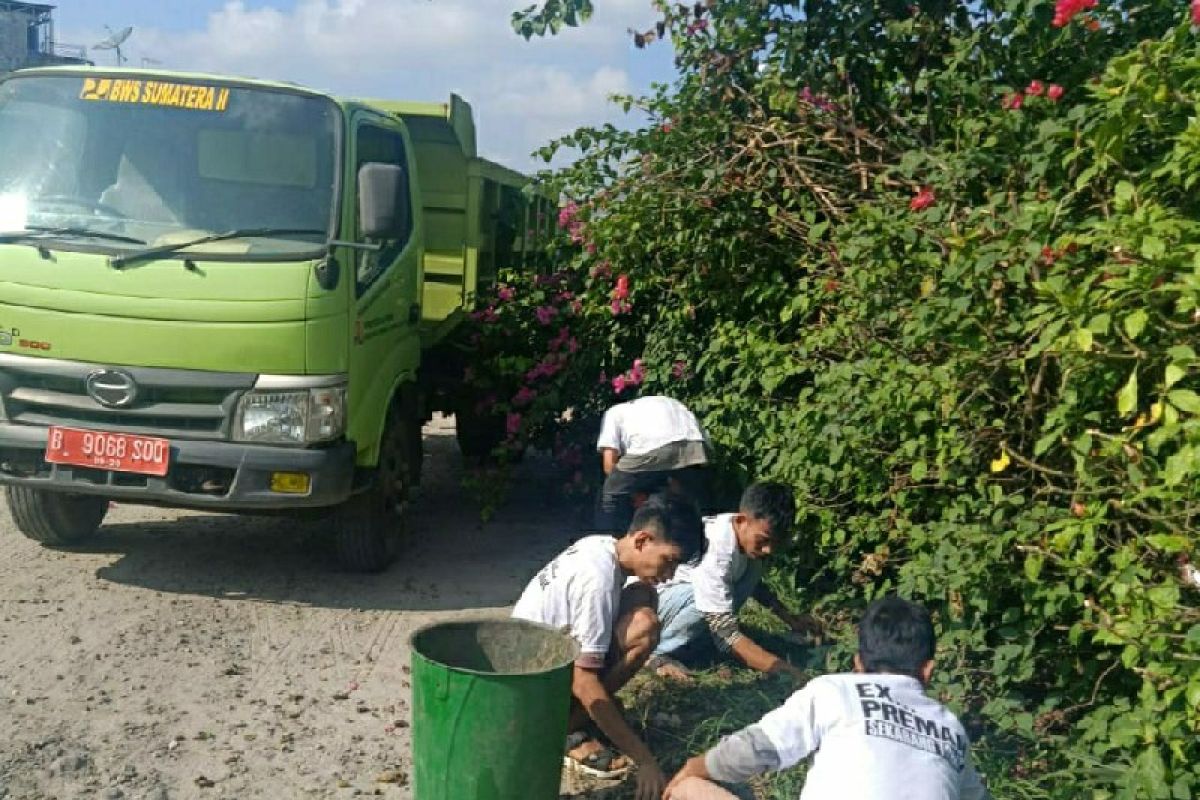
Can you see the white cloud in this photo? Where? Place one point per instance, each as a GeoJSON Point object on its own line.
{"type": "Point", "coordinates": [524, 93]}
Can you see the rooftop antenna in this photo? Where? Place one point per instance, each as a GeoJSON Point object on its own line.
{"type": "Point", "coordinates": [150, 62]}
{"type": "Point", "coordinates": [114, 42]}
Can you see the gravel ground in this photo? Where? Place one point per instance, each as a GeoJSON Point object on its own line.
{"type": "Point", "coordinates": [185, 655]}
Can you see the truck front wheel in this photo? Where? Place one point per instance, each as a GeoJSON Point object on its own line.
{"type": "Point", "coordinates": [53, 518]}
{"type": "Point", "coordinates": [370, 525]}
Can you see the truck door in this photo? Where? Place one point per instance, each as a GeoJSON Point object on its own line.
{"type": "Point", "coordinates": [386, 336]}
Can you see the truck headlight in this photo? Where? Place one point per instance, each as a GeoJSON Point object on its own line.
{"type": "Point", "coordinates": [291, 417]}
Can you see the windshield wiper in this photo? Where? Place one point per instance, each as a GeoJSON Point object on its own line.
{"type": "Point", "coordinates": [120, 262]}
{"type": "Point", "coordinates": [40, 232]}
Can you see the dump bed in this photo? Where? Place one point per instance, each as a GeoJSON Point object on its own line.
{"type": "Point", "coordinates": [477, 217]}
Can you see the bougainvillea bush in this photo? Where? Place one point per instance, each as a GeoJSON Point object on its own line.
{"type": "Point", "coordinates": [937, 265]}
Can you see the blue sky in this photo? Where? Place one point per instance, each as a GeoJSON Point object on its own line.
{"type": "Point", "coordinates": [524, 93]}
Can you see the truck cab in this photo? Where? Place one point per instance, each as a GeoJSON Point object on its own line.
{"type": "Point", "coordinates": [224, 294]}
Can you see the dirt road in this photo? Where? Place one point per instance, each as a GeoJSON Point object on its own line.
{"type": "Point", "coordinates": [198, 656]}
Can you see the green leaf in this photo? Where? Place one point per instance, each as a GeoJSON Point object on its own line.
{"type": "Point", "coordinates": [1173, 375]}
{"type": "Point", "coordinates": [1185, 400]}
{"type": "Point", "coordinates": [1164, 596]}
{"type": "Point", "coordinates": [1135, 323]}
{"type": "Point", "coordinates": [919, 470]}
{"type": "Point", "coordinates": [1167, 543]}
{"type": "Point", "coordinates": [1127, 398]}
{"type": "Point", "coordinates": [1033, 567]}
{"type": "Point", "coordinates": [1083, 339]}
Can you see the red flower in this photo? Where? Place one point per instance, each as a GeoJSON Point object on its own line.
{"type": "Point", "coordinates": [1048, 255]}
{"type": "Point", "coordinates": [1092, 24]}
{"type": "Point", "coordinates": [1067, 10]}
{"type": "Point", "coordinates": [679, 370]}
{"type": "Point", "coordinates": [1013, 102]}
{"type": "Point", "coordinates": [666, 127]}
{"type": "Point", "coordinates": [622, 289]}
{"type": "Point", "coordinates": [1035, 89]}
{"type": "Point", "coordinates": [1196, 12]}
{"type": "Point", "coordinates": [923, 200]}
{"type": "Point", "coordinates": [524, 396]}
{"type": "Point", "coordinates": [618, 384]}
{"type": "Point", "coordinates": [1054, 92]}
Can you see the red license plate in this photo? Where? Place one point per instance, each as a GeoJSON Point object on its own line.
{"type": "Point", "coordinates": [121, 452]}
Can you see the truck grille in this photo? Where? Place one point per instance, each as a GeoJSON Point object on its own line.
{"type": "Point", "coordinates": [191, 404]}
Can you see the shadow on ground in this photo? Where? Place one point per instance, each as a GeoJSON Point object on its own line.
{"type": "Point", "coordinates": [450, 559]}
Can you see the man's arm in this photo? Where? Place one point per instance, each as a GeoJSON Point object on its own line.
{"type": "Point", "coordinates": [735, 759]}
{"type": "Point", "coordinates": [608, 459]}
{"type": "Point", "coordinates": [730, 639]}
{"type": "Point", "coordinates": [595, 699]}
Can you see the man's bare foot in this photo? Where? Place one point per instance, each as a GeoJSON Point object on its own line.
{"type": "Point", "coordinates": [669, 668]}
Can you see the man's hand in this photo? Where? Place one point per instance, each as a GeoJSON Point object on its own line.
{"type": "Point", "coordinates": [781, 667]}
{"type": "Point", "coordinates": [694, 768]}
{"type": "Point", "coordinates": [651, 782]}
{"type": "Point", "coordinates": [805, 624]}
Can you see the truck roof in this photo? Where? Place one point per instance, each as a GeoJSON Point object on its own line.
{"type": "Point", "coordinates": [134, 72]}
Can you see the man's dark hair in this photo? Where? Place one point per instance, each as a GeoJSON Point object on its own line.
{"type": "Point", "coordinates": [773, 502]}
{"type": "Point", "coordinates": [896, 636]}
{"type": "Point", "coordinates": [676, 519]}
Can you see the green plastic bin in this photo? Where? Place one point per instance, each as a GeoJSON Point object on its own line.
{"type": "Point", "coordinates": [490, 706]}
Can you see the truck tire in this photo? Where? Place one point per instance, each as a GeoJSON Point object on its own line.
{"type": "Point", "coordinates": [370, 525]}
{"type": "Point", "coordinates": [55, 519]}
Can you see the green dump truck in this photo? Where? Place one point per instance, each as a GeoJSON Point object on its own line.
{"type": "Point", "coordinates": [234, 295]}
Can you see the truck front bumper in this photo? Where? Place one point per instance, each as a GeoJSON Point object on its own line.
{"type": "Point", "coordinates": [212, 475]}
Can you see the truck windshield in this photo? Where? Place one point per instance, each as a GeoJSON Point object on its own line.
{"type": "Point", "coordinates": [164, 161]}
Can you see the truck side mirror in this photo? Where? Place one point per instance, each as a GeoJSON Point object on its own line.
{"type": "Point", "coordinates": [383, 207]}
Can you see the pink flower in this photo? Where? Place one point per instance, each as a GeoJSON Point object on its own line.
{"type": "Point", "coordinates": [1013, 102]}
{"type": "Point", "coordinates": [512, 423]}
{"type": "Point", "coordinates": [1035, 88]}
{"type": "Point", "coordinates": [1067, 10]}
{"type": "Point", "coordinates": [622, 289]}
{"type": "Point", "coordinates": [524, 396]}
{"type": "Point", "coordinates": [1054, 92]}
{"type": "Point", "coordinates": [679, 370]}
{"type": "Point", "coordinates": [618, 384]}
{"type": "Point", "coordinates": [573, 345]}
{"type": "Point", "coordinates": [637, 374]}
{"type": "Point", "coordinates": [1196, 12]}
{"type": "Point", "coordinates": [546, 314]}
{"type": "Point", "coordinates": [619, 307]}
{"type": "Point", "coordinates": [506, 293]}
{"type": "Point", "coordinates": [602, 270]}
{"type": "Point", "coordinates": [566, 214]}
{"type": "Point", "coordinates": [591, 248]}
{"type": "Point", "coordinates": [923, 200]}
{"type": "Point", "coordinates": [576, 307]}
{"type": "Point", "coordinates": [565, 296]}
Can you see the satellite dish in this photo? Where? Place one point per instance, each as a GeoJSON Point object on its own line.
{"type": "Point", "coordinates": [114, 42]}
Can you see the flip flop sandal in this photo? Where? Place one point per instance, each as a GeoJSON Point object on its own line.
{"type": "Point", "coordinates": [595, 765]}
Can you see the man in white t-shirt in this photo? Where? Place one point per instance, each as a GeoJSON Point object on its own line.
{"type": "Point", "coordinates": [647, 445]}
{"type": "Point", "coordinates": [583, 591]}
{"type": "Point", "coordinates": [698, 608]}
{"type": "Point", "coordinates": [873, 734]}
